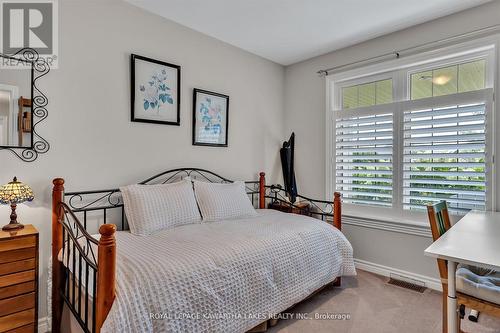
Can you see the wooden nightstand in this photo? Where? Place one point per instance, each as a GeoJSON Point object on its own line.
{"type": "Point", "coordinates": [19, 280]}
{"type": "Point", "coordinates": [301, 208]}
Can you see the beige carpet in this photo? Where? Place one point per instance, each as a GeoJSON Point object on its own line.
{"type": "Point", "coordinates": [375, 306]}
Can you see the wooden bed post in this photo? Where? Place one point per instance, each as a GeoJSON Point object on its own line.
{"type": "Point", "coordinates": [106, 273]}
{"type": "Point", "coordinates": [57, 243]}
{"type": "Point", "coordinates": [337, 211]}
{"type": "Point", "coordinates": [262, 190]}
{"type": "Point", "coordinates": [337, 223]}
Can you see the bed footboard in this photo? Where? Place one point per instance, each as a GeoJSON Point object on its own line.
{"type": "Point", "coordinates": [76, 270]}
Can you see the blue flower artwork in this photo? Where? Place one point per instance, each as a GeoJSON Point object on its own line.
{"type": "Point", "coordinates": [156, 92]}
{"type": "Point", "coordinates": [211, 118]}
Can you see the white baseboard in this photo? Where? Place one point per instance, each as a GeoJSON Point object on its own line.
{"type": "Point", "coordinates": [43, 325]}
{"type": "Point", "coordinates": [430, 282]}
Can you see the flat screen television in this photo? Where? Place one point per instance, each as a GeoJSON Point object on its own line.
{"type": "Point", "coordinates": [287, 164]}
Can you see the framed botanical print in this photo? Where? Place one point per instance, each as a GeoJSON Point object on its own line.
{"type": "Point", "coordinates": [210, 118]}
{"type": "Point", "coordinates": [155, 93]}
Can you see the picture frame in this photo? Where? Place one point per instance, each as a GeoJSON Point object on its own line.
{"type": "Point", "coordinates": [155, 91]}
{"type": "Point", "coordinates": [210, 118]}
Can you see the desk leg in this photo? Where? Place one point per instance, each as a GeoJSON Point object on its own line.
{"type": "Point", "coordinates": [452, 298]}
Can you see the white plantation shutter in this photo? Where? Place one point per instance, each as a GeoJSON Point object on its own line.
{"type": "Point", "coordinates": [446, 151]}
{"type": "Point", "coordinates": [430, 140]}
{"type": "Point", "coordinates": [364, 155]}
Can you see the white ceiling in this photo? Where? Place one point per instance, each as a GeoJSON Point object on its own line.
{"type": "Point", "coordinates": [288, 31]}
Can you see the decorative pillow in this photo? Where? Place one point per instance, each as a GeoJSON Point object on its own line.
{"type": "Point", "coordinates": [223, 201]}
{"type": "Point", "coordinates": [150, 208]}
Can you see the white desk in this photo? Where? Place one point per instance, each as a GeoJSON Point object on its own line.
{"type": "Point", "coordinates": [474, 240]}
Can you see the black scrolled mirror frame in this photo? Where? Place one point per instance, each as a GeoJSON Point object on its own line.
{"type": "Point", "coordinates": [40, 68]}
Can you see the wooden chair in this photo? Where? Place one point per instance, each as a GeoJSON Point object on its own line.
{"type": "Point", "coordinates": [439, 220]}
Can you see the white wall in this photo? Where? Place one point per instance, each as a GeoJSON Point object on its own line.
{"type": "Point", "coordinates": [94, 144]}
{"type": "Point", "coordinates": [305, 114]}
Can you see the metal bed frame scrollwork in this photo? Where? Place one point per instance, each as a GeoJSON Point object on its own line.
{"type": "Point", "coordinates": [80, 260]}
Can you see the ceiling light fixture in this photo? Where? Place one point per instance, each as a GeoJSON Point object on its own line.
{"type": "Point", "coordinates": [441, 80]}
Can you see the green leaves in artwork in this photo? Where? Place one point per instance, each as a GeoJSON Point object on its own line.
{"type": "Point", "coordinates": [157, 92]}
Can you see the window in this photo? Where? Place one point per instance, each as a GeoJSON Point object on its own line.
{"type": "Point", "coordinates": [367, 94]}
{"type": "Point", "coordinates": [419, 135]}
{"type": "Point", "coordinates": [469, 76]}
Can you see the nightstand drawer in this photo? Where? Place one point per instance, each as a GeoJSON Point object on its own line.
{"type": "Point", "coordinates": [17, 289]}
{"type": "Point", "coordinates": [17, 266]}
{"type": "Point", "coordinates": [20, 254]}
{"type": "Point", "coordinates": [17, 320]}
{"type": "Point", "coordinates": [16, 304]}
{"type": "Point", "coordinates": [19, 280]}
{"type": "Point", "coordinates": [10, 279]}
{"type": "Point", "coordinates": [18, 243]}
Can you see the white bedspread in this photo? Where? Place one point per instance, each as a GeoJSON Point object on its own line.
{"type": "Point", "coordinates": [223, 276]}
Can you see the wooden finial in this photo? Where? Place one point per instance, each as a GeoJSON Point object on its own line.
{"type": "Point", "coordinates": [107, 231]}
{"type": "Point", "coordinates": [58, 181]}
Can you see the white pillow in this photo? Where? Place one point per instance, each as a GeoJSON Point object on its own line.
{"type": "Point", "coordinates": [150, 208]}
{"type": "Point", "coordinates": [223, 201]}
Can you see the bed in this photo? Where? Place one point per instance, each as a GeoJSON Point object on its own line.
{"type": "Point", "coordinates": [230, 275]}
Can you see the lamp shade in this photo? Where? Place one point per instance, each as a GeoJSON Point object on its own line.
{"type": "Point", "coordinates": [15, 192]}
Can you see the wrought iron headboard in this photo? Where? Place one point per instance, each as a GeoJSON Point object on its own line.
{"type": "Point", "coordinates": [102, 206]}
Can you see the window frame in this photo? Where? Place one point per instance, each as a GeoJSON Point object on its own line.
{"type": "Point", "coordinates": [400, 70]}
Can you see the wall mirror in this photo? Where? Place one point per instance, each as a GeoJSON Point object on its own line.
{"type": "Point", "coordinates": [22, 104]}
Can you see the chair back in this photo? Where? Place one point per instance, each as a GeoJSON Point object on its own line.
{"type": "Point", "coordinates": [439, 220]}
